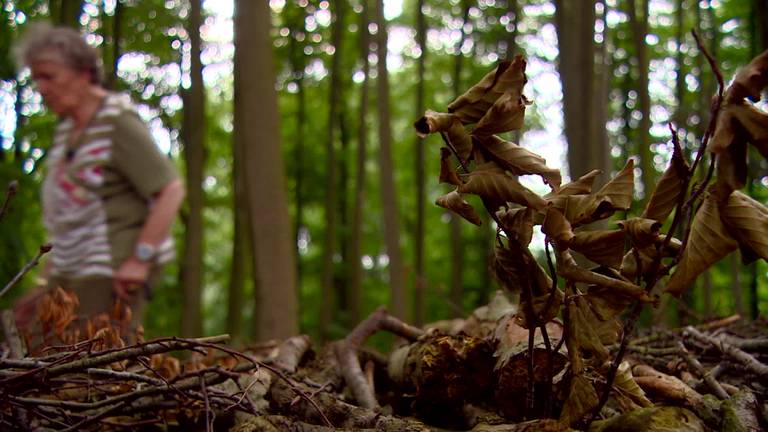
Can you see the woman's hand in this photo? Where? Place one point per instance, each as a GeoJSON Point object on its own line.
{"type": "Point", "coordinates": [130, 276]}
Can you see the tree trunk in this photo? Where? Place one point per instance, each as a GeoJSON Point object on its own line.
{"type": "Point", "coordinates": [66, 12]}
{"type": "Point", "coordinates": [328, 298]}
{"type": "Point", "coordinates": [639, 23]}
{"type": "Point", "coordinates": [386, 171]}
{"type": "Point", "coordinates": [420, 279]}
{"type": "Point", "coordinates": [355, 238]}
{"type": "Point", "coordinates": [456, 293]}
{"type": "Point", "coordinates": [194, 157]}
{"type": "Point", "coordinates": [117, 36]}
{"type": "Point", "coordinates": [575, 31]}
{"type": "Point", "coordinates": [257, 123]}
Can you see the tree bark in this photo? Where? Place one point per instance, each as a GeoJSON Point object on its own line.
{"type": "Point", "coordinates": [257, 123]}
{"type": "Point", "coordinates": [355, 238]}
{"type": "Point", "coordinates": [328, 299]}
{"type": "Point", "coordinates": [420, 279]}
{"type": "Point", "coordinates": [639, 22]}
{"type": "Point", "coordinates": [194, 157]}
{"type": "Point", "coordinates": [386, 171]}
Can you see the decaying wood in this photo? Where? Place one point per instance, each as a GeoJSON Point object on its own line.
{"type": "Point", "coordinates": [750, 362]}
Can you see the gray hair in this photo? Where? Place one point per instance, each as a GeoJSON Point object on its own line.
{"type": "Point", "coordinates": [43, 41]}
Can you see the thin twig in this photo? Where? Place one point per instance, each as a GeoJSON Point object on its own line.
{"type": "Point", "coordinates": [44, 249]}
{"type": "Point", "coordinates": [10, 192]}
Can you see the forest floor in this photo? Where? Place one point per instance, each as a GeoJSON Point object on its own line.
{"type": "Point", "coordinates": [468, 374]}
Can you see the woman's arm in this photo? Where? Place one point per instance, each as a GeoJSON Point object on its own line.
{"type": "Point", "coordinates": [133, 272]}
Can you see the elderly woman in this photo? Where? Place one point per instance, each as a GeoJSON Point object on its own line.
{"type": "Point", "coordinates": [109, 196]}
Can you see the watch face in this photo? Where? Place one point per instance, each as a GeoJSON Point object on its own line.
{"type": "Point", "coordinates": [144, 252]}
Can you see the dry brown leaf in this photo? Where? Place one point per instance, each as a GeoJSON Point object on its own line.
{"type": "Point", "coordinates": [447, 173]}
{"type": "Point", "coordinates": [490, 181]}
{"type": "Point", "coordinates": [454, 202]}
{"type": "Point", "coordinates": [517, 223]}
{"type": "Point", "coordinates": [591, 333]}
{"type": "Point", "coordinates": [709, 242]}
{"type": "Point", "coordinates": [751, 80]}
{"type": "Point", "coordinates": [600, 246]}
{"type": "Point", "coordinates": [557, 228]}
{"type": "Point", "coordinates": [583, 209]}
{"type": "Point", "coordinates": [506, 114]}
{"type": "Point", "coordinates": [450, 126]}
{"type": "Point", "coordinates": [747, 220]}
{"type": "Point", "coordinates": [508, 76]}
{"type": "Point", "coordinates": [514, 267]}
{"type": "Point", "coordinates": [669, 189]}
{"type": "Point", "coordinates": [518, 160]}
{"type": "Point", "coordinates": [641, 232]}
{"type": "Point", "coordinates": [544, 308]}
{"type": "Point", "coordinates": [582, 398]}
{"type": "Point", "coordinates": [627, 393]}
{"type": "Point", "coordinates": [582, 186]}
{"type": "Point", "coordinates": [619, 189]}
{"type": "Point", "coordinates": [567, 268]}
{"type": "Point", "coordinates": [740, 120]}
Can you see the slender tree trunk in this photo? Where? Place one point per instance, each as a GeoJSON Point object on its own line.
{"type": "Point", "coordinates": [355, 238]}
{"type": "Point", "coordinates": [736, 285]}
{"type": "Point", "coordinates": [66, 12]}
{"type": "Point", "coordinates": [386, 171]}
{"type": "Point", "coordinates": [240, 250]}
{"type": "Point", "coordinates": [456, 293]}
{"type": "Point", "coordinates": [584, 120]}
{"type": "Point", "coordinates": [257, 123]}
{"type": "Point", "coordinates": [329, 299]}
{"type": "Point", "coordinates": [117, 36]}
{"type": "Point", "coordinates": [639, 21]}
{"type": "Point", "coordinates": [194, 157]}
{"type": "Point", "coordinates": [420, 279]}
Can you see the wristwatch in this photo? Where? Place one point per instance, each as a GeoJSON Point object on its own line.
{"type": "Point", "coordinates": [145, 252]}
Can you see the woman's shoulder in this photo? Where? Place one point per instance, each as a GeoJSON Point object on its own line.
{"type": "Point", "coordinates": [116, 105]}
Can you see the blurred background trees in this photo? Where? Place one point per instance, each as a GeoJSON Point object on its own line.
{"type": "Point", "coordinates": [310, 198]}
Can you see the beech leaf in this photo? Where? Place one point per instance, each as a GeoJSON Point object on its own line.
{"type": "Point", "coordinates": [567, 268]}
{"type": "Point", "coordinates": [518, 160]}
{"type": "Point", "coordinates": [740, 116]}
{"type": "Point", "coordinates": [507, 77]}
{"type": "Point", "coordinates": [751, 80]}
{"type": "Point", "coordinates": [582, 186]}
{"type": "Point", "coordinates": [517, 223]}
{"type": "Point", "coordinates": [557, 228]}
{"type": "Point", "coordinates": [582, 398]}
{"type": "Point", "coordinates": [450, 126]}
{"type": "Point", "coordinates": [490, 181]}
{"type": "Point", "coordinates": [747, 220]}
{"type": "Point", "coordinates": [642, 232]}
{"type": "Point", "coordinates": [583, 209]}
{"type": "Point", "coordinates": [454, 202]}
{"type": "Point", "coordinates": [447, 173]}
{"type": "Point", "coordinates": [627, 393]}
{"type": "Point", "coordinates": [670, 187]}
{"type": "Point", "coordinates": [620, 188]}
{"type": "Point", "coordinates": [709, 242]}
{"type": "Point", "coordinates": [506, 114]}
{"type": "Point", "coordinates": [600, 246]}
{"type": "Point", "coordinates": [514, 266]}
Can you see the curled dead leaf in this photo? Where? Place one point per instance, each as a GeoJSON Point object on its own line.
{"type": "Point", "coordinates": [506, 114]}
{"type": "Point", "coordinates": [490, 181]}
{"type": "Point", "coordinates": [517, 223]}
{"type": "Point", "coordinates": [620, 188]}
{"type": "Point", "coordinates": [582, 186]}
{"type": "Point", "coordinates": [740, 120]}
{"type": "Point", "coordinates": [641, 232]}
{"type": "Point", "coordinates": [669, 189]}
{"type": "Point", "coordinates": [582, 209]}
{"type": "Point", "coordinates": [557, 228]}
{"type": "Point", "coordinates": [567, 268]}
{"type": "Point", "coordinates": [747, 220]}
{"type": "Point", "coordinates": [600, 246]}
{"type": "Point", "coordinates": [751, 80]}
{"type": "Point", "coordinates": [518, 160]}
{"type": "Point", "coordinates": [709, 242]}
{"type": "Point", "coordinates": [508, 76]}
{"type": "Point", "coordinates": [514, 267]}
{"type": "Point", "coordinates": [454, 202]}
{"type": "Point", "coordinates": [447, 173]}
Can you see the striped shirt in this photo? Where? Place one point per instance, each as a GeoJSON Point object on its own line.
{"type": "Point", "coordinates": [98, 190]}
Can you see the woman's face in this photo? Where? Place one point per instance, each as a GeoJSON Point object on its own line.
{"type": "Point", "coordinates": [61, 86]}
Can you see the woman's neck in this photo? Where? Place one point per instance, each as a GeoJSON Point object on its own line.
{"type": "Point", "coordinates": [91, 102]}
